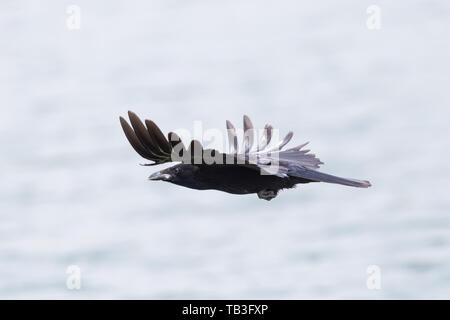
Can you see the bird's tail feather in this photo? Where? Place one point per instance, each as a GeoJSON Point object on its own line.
{"type": "Point", "coordinates": [324, 177]}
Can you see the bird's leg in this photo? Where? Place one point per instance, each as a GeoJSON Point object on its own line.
{"type": "Point", "coordinates": [267, 194]}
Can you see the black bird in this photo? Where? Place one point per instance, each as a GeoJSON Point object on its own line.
{"type": "Point", "coordinates": [263, 171]}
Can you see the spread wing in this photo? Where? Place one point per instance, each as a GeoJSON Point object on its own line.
{"type": "Point", "coordinates": [294, 162]}
{"type": "Point", "coordinates": [151, 144]}
{"type": "Point", "coordinates": [147, 140]}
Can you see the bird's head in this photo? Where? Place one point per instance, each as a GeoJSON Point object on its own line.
{"type": "Point", "coordinates": [180, 174]}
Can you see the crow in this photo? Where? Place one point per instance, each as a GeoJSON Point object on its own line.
{"type": "Point", "coordinates": [263, 171]}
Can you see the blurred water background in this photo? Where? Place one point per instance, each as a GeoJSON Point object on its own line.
{"type": "Point", "coordinates": [373, 103]}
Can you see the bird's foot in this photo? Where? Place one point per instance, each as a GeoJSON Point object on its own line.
{"type": "Point", "coordinates": [267, 194]}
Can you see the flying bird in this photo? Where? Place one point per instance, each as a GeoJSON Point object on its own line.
{"type": "Point", "coordinates": [263, 170]}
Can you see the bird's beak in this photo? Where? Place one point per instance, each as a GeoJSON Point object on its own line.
{"type": "Point", "coordinates": [160, 175]}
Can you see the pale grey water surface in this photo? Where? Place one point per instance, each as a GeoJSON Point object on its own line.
{"type": "Point", "coordinates": [374, 104]}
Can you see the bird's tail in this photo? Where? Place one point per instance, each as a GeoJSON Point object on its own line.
{"type": "Point", "coordinates": [324, 177]}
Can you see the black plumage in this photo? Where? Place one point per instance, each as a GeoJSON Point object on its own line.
{"type": "Point", "coordinates": [264, 170]}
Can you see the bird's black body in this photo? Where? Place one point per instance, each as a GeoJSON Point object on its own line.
{"type": "Point", "coordinates": [228, 178]}
{"type": "Point", "coordinates": [263, 171]}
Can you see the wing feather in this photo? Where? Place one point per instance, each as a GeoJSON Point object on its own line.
{"type": "Point", "coordinates": [248, 134]}
{"type": "Point", "coordinates": [149, 141]}
{"type": "Point", "coordinates": [134, 141]}
{"type": "Point", "coordinates": [143, 135]}
{"type": "Point", "coordinates": [232, 138]}
{"type": "Point", "coordinates": [266, 137]}
{"type": "Point", "coordinates": [282, 143]}
{"type": "Point", "coordinates": [158, 136]}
